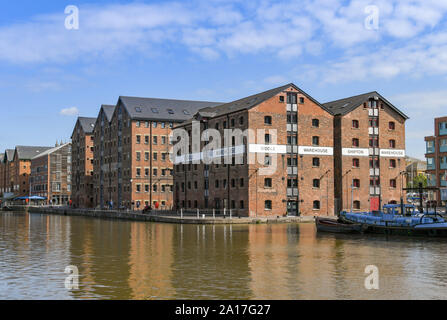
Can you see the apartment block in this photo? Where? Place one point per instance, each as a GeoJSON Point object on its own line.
{"type": "Point", "coordinates": [285, 168]}
{"type": "Point", "coordinates": [82, 163]}
{"type": "Point", "coordinates": [436, 155]}
{"type": "Point", "coordinates": [51, 175]}
{"type": "Point", "coordinates": [135, 169]}
{"type": "Point", "coordinates": [19, 169]}
{"type": "Point", "coordinates": [369, 152]}
{"type": "Point", "coordinates": [5, 171]}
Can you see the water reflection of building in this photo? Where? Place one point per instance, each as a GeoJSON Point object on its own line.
{"type": "Point", "coordinates": [100, 250]}
{"type": "Point", "coordinates": [211, 262]}
{"type": "Point", "coordinates": [150, 261]}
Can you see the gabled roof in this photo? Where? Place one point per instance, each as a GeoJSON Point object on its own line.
{"type": "Point", "coordinates": [162, 109]}
{"type": "Point", "coordinates": [51, 150]}
{"type": "Point", "coordinates": [346, 105]}
{"type": "Point", "coordinates": [9, 155]}
{"type": "Point", "coordinates": [249, 102]}
{"type": "Point", "coordinates": [108, 111]}
{"type": "Point", "coordinates": [87, 124]}
{"type": "Point", "coordinates": [29, 152]}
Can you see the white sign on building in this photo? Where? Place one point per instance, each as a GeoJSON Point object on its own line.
{"type": "Point", "coordinates": [320, 151]}
{"type": "Point", "coordinates": [267, 148]}
{"type": "Point", "coordinates": [359, 152]}
{"type": "Point", "coordinates": [392, 153]}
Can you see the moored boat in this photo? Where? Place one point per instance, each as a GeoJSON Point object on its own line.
{"type": "Point", "coordinates": [335, 226]}
{"type": "Point", "coordinates": [392, 221]}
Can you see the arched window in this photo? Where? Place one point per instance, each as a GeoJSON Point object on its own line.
{"type": "Point", "coordinates": [315, 123]}
{"type": "Point", "coordinates": [356, 205]}
{"type": "Point", "coordinates": [316, 205]}
{"type": "Point", "coordinates": [268, 205]}
{"type": "Point", "coordinates": [316, 183]}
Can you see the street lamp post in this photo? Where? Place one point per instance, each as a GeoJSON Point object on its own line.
{"type": "Point", "coordinates": [402, 173]}
{"type": "Point", "coordinates": [327, 190]}
{"type": "Point", "coordinates": [347, 186]}
{"type": "Point", "coordinates": [131, 188]}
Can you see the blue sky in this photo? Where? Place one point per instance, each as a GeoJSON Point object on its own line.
{"type": "Point", "coordinates": [215, 50]}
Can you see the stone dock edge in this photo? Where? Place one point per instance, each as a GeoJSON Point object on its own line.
{"type": "Point", "coordinates": [171, 218]}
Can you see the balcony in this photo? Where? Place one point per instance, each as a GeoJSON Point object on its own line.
{"type": "Point", "coordinates": [431, 181]}
{"type": "Point", "coordinates": [430, 150]}
{"type": "Point", "coordinates": [431, 166]}
{"type": "Point", "coordinates": [443, 128]}
{"type": "Point", "coordinates": [373, 131]}
{"type": "Point", "coordinates": [292, 192]}
{"type": "Point", "coordinates": [292, 170]}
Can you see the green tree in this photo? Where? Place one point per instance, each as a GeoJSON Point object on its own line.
{"type": "Point", "coordinates": [418, 179]}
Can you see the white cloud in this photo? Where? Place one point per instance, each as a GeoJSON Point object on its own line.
{"type": "Point", "coordinates": [422, 107]}
{"type": "Point", "coordinates": [70, 111]}
{"type": "Point", "coordinates": [409, 40]}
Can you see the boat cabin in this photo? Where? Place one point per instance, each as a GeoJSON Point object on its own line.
{"type": "Point", "coordinates": [395, 209]}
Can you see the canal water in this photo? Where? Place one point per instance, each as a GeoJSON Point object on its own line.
{"type": "Point", "coordinates": [138, 260]}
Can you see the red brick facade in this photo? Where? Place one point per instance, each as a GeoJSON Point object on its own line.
{"type": "Point", "coordinates": [82, 165]}
{"type": "Point", "coordinates": [369, 156]}
{"type": "Point", "coordinates": [295, 187]}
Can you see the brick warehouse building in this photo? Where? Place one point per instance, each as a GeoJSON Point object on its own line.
{"type": "Point", "coordinates": [102, 177]}
{"type": "Point", "coordinates": [5, 172]}
{"type": "Point", "coordinates": [140, 168]}
{"type": "Point", "coordinates": [369, 135]}
{"type": "Point", "coordinates": [303, 179]}
{"type": "Point", "coordinates": [369, 151]}
{"type": "Point", "coordinates": [82, 163]}
{"type": "Point", "coordinates": [436, 155]}
{"type": "Point", "coordinates": [20, 169]}
{"type": "Point", "coordinates": [51, 175]}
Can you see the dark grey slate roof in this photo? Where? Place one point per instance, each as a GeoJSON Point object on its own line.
{"type": "Point", "coordinates": [248, 103]}
{"type": "Point", "coordinates": [9, 154]}
{"type": "Point", "coordinates": [163, 109]}
{"type": "Point", "coordinates": [346, 105]}
{"type": "Point", "coordinates": [28, 152]}
{"type": "Point", "coordinates": [108, 110]}
{"type": "Point", "coordinates": [87, 124]}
